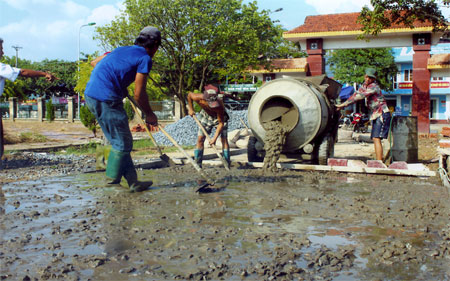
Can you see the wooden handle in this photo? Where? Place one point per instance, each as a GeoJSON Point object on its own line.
{"type": "Point", "coordinates": [225, 164]}
{"type": "Point", "coordinates": [134, 104]}
{"type": "Point", "coordinates": [197, 167]}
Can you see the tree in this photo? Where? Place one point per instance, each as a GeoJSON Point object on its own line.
{"type": "Point", "coordinates": [349, 65]}
{"type": "Point", "coordinates": [386, 13]}
{"type": "Point", "coordinates": [25, 87]}
{"type": "Point", "coordinates": [203, 40]}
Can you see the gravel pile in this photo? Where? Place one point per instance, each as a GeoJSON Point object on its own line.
{"type": "Point", "coordinates": [34, 165]}
{"type": "Point", "coordinates": [184, 131]}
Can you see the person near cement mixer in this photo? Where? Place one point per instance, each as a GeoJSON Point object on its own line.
{"type": "Point", "coordinates": [376, 102]}
{"type": "Point", "coordinates": [113, 73]}
{"type": "Point", "coordinates": [11, 73]}
{"type": "Point", "coordinates": [213, 114]}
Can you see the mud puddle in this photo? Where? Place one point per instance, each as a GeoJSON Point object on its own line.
{"type": "Point", "coordinates": [305, 226]}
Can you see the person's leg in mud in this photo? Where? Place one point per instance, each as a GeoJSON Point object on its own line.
{"type": "Point", "coordinates": [378, 148]}
{"type": "Point", "coordinates": [113, 120]}
{"type": "Point", "coordinates": [380, 130]}
{"type": "Point", "coordinates": [225, 145]}
{"type": "Point", "coordinates": [199, 148]}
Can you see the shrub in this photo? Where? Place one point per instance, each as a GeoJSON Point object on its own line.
{"type": "Point", "coordinates": [88, 119]}
{"type": "Point", "coordinates": [50, 111]}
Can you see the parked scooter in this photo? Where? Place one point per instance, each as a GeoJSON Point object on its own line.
{"type": "Point", "coordinates": [360, 122]}
{"type": "Point", "coordinates": [345, 121]}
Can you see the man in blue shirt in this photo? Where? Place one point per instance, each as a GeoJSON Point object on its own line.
{"type": "Point", "coordinates": [107, 87]}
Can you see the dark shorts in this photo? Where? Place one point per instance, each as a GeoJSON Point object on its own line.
{"type": "Point", "coordinates": [208, 122]}
{"type": "Point", "coordinates": [380, 126]}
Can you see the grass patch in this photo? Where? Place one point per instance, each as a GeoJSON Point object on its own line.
{"type": "Point", "coordinates": [140, 148]}
{"type": "Point", "coordinates": [31, 137]}
{"type": "Point", "coordinates": [146, 146]}
{"type": "Point", "coordinates": [85, 149]}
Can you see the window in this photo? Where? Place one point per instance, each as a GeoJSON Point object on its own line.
{"type": "Point", "coordinates": [408, 75]}
{"type": "Point", "coordinates": [395, 82]}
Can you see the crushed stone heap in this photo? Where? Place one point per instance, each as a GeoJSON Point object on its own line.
{"type": "Point", "coordinates": [184, 131]}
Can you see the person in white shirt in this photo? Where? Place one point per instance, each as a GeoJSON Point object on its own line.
{"type": "Point", "coordinates": [11, 73]}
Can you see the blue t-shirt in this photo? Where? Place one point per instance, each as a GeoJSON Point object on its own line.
{"type": "Point", "coordinates": [116, 71]}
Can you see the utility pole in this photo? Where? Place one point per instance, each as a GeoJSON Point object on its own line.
{"type": "Point", "coordinates": [17, 52]}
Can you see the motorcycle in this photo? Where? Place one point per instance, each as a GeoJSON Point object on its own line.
{"type": "Point", "coordinates": [360, 122]}
{"type": "Point", "coordinates": [345, 121]}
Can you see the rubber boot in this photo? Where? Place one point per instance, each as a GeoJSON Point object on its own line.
{"type": "Point", "coordinates": [226, 156]}
{"type": "Point", "coordinates": [130, 175]}
{"type": "Point", "coordinates": [198, 156]}
{"type": "Point", "coordinates": [114, 168]}
{"type": "Point", "coordinates": [101, 156]}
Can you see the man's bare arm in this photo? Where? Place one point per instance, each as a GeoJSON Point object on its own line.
{"type": "Point", "coordinates": [97, 60]}
{"type": "Point", "coordinates": [141, 97]}
{"type": "Point", "coordinates": [35, 73]}
{"type": "Point", "coordinates": [191, 98]}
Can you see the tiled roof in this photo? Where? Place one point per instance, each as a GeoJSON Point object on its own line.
{"type": "Point", "coordinates": [339, 22]}
{"type": "Point", "coordinates": [439, 61]}
{"type": "Point", "coordinates": [297, 64]}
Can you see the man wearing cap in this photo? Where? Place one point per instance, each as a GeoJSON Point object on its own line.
{"type": "Point", "coordinates": [113, 73]}
{"type": "Point", "coordinates": [212, 114]}
{"type": "Point", "coordinates": [376, 102]}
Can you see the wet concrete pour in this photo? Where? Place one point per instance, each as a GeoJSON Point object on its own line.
{"type": "Point", "coordinates": [284, 226]}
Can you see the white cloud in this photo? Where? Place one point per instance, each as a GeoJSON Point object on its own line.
{"type": "Point", "coordinates": [103, 14]}
{"type": "Point", "coordinates": [51, 28]}
{"type": "Point", "coordinates": [337, 6]}
{"type": "Point", "coordinates": [73, 10]}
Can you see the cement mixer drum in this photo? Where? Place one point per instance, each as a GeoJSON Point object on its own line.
{"type": "Point", "coordinates": [301, 105]}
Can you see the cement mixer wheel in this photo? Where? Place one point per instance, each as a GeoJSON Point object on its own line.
{"type": "Point", "coordinates": [325, 150]}
{"type": "Point", "coordinates": [253, 155]}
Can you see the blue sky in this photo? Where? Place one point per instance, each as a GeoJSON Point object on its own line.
{"type": "Point", "coordinates": [50, 28]}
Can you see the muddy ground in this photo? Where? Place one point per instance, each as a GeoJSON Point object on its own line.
{"type": "Point", "coordinates": [283, 226]}
{"type": "Point", "coordinates": [61, 222]}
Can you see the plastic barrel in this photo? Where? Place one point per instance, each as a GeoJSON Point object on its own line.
{"type": "Point", "coordinates": [405, 139]}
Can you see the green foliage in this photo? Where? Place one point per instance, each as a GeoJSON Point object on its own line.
{"type": "Point", "coordinates": [129, 110]}
{"type": "Point", "coordinates": [154, 92]}
{"type": "Point", "coordinates": [403, 12]}
{"type": "Point", "coordinates": [49, 111]}
{"type": "Point", "coordinates": [88, 119]}
{"type": "Point", "coordinates": [349, 65]}
{"type": "Point", "coordinates": [84, 74]}
{"type": "Point", "coordinates": [203, 40]}
{"type": "Point", "coordinates": [23, 87]}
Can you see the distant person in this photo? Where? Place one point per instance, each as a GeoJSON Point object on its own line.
{"type": "Point", "coordinates": [11, 73]}
{"type": "Point", "coordinates": [113, 73]}
{"type": "Point", "coordinates": [376, 102]}
{"type": "Point", "coordinates": [213, 114]}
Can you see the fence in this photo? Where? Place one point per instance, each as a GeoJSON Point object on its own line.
{"type": "Point", "coordinates": [65, 109]}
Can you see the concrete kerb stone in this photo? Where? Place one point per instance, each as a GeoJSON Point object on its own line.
{"type": "Point", "coordinates": [398, 165]}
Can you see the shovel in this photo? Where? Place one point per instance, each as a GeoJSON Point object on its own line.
{"type": "Point", "coordinates": [205, 187]}
{"type": "Point", "coordinates": [224, 162]}
{"type": "Point", "coordinates": [166, 159]}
